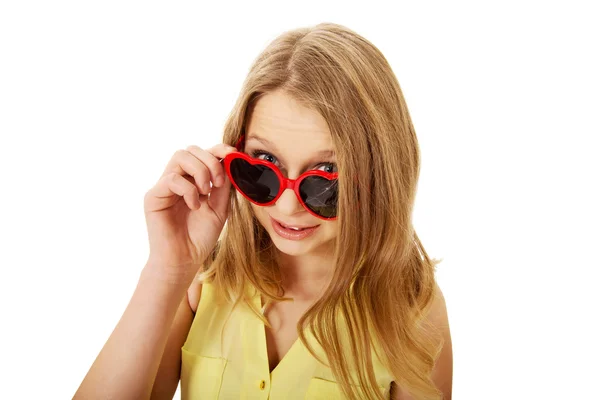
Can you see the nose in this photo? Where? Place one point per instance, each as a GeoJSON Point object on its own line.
{"type": "Point", "coordinates": [287, 203]}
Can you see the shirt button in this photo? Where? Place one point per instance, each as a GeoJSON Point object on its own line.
{"type": "Point", "coordinates": [262, 385]}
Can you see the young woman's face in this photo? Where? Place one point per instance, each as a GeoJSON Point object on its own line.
{"type": "Point", "coordinates": [296, 139]}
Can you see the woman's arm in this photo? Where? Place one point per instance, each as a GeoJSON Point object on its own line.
{"type": "Point", "coordinates": [442, 371]}
{"type": "Point", "coordinates": [128, 363]}
{"type": "Point", "coordinates": [169, 371]}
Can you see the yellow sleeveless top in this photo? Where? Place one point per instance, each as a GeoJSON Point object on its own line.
{"type": "Point", "coordinates": [225, 357]}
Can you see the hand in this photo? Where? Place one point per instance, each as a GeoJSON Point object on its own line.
{"type": "Point", "coordinates": [184, 215]}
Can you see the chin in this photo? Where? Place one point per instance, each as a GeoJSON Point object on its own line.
{"type": "Point", "coordinates": [316, 243]}
{"type": "Point", "coordinates": [294, 247]}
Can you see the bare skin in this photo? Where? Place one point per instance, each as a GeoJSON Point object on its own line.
{"type": "Point", "coordinates": [295, 139]}
{"type": "Point", "coordinates": [184, 218]}
{"type": "Point", "coordinates": [142, 357]}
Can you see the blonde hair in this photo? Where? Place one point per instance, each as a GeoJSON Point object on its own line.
{"type": "Point", "coordinates": [383, 282]}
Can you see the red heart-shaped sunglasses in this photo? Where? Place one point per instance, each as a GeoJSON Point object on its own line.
{"type": "Point", "coordinates": [262, 183]}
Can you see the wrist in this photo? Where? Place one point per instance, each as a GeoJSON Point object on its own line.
{"type": "Point", "coordinates": [180, 275]}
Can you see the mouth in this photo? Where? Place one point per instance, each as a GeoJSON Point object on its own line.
{"type": "Point", "coordinates": [292, 232]}
{"type": "Point", "coordinates": [295, 227]}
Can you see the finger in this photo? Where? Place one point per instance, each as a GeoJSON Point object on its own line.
{"type": "Point", "coordinates": [221, 150]}
{"type": "Point", "coordinates": [210, 162]}
{"type": "Point", "coordinates": [174, 184]}
{"type": "Point", "coordinates": [218, 199]}
{"type": "Point", "coordinates": [210, 158]}
{"type": "Point", "coordinates": [185, 163]}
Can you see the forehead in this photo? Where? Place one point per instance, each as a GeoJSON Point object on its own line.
{"type": "Point", "coordinates": [289, 125]}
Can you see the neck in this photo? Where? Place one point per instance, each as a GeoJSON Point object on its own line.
{"type": "Point", "coordinates": [306, 276]}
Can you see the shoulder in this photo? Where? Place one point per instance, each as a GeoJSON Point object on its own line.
{"type": "Point", "coordinates": [438, 313]}
{"type": "Point", "coordinates": [437, 318]}
{"type": "Point", "coordinates": [193, 294]}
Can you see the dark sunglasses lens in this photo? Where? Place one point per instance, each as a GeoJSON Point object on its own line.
{"type": "Point", "coordinates": [320, 195]}
{"type": "Point", "coordinates": [258, 182]}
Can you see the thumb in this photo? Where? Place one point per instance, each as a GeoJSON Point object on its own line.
{"type": "Point", "coordinates": [218, 199]}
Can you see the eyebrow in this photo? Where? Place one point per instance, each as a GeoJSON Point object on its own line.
{"type": "Point", "coordinates": [267, 142]}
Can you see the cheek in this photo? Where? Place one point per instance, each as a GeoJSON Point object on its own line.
{"type": "Point", "coordinates": [331, 229]}
{"type": "Point", "coordinates": [260, 214]}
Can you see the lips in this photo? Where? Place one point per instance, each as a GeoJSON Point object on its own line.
{"type": "Point", "coordinates": [296, 227]}
{"type": "Point", "coordinates": [290, 233]}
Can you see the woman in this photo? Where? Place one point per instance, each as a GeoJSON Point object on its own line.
{"type": "Point", "coordinates": [320, 291]}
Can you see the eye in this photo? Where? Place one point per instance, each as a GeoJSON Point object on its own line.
{"type": "Point", "coordinates": [263, 155]}
{"type": "Point", "coordinates": [328, 167]}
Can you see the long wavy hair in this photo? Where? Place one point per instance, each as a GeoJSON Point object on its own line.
{"type": "Point", "coordinates": [383, 282]}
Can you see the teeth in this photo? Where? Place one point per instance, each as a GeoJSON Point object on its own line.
{"type": "Point", "coordinates": [292, 228]}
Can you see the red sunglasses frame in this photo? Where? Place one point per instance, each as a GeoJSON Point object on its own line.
{"type": "Point", "coordinates": [284, 182]}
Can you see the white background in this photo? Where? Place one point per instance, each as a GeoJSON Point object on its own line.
{"type": "Point", "coordinates": [96, 97]}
